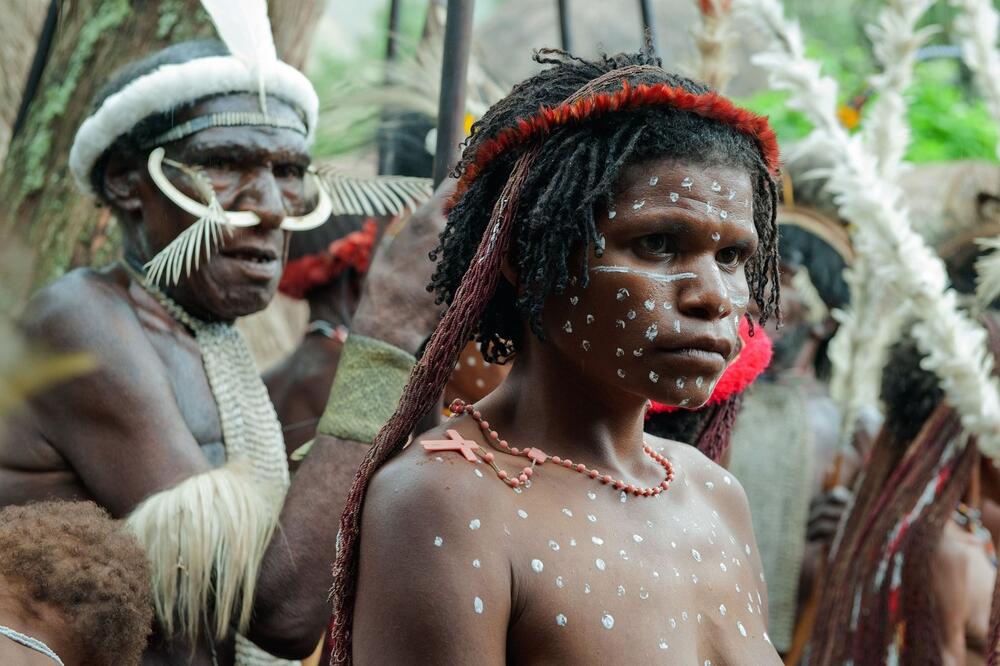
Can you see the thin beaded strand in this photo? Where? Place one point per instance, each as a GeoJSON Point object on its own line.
{"type": "Point", "coordinates": [537, 456]}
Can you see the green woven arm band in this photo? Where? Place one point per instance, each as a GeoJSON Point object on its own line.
{"type": "Point", "coordinates": [369, 382]}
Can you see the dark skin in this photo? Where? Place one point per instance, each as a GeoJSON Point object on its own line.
{"type": "Point", "coordinates": [689, 559]}
{"type": "Point", "coordinates": [146, 419]}
{"type": "Point", "coordinates": [38, 621]}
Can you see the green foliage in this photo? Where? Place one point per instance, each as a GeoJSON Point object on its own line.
{"type": "Point", "coordinates": [948, 120]}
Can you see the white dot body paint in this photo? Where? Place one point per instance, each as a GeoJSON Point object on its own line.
{"type": "Point", "coordinates": [663, 645]}
{"type": "Point", "coordinates": [654, 180]}
{"type": "Point", "coordinates": [600, 564]}
{"type": "Point", "coordinates": [476, 564]}
{"type": "Point", "coordinates": [638, 204]}
{"type": "Point", "coordinates": [723, 213]}
{"type": "Point", "coordinates": [573, 300]}
{"type": "Point", "coordinates": [438, 541]}
{"type": "Point", "coordinates": [620, 323]}
{"type": "Point", "coordinates": [560, 583]}
{"type": "Point", "coordinates": [622, 294]}
{"type": "Point", "coordinates": [591, 495]}
{"type": "Point", "coordinates": [598, 541]}
{"type": "Point", "coordinates": [522, 513]}
{"type": "Point", "coordinates": [652, 332]}
{"type": "Point", "coordinates": [537, 566]}
{"type": "Point", "coordinates": [586, 588]}
{"type": "Point", "coordinates": [553, 545]}
{"type": "Point", "coordinates": [568, 327]}
{"type": "Point", "coordinates": [696, 555]}
{"type": "Point", "coordinates": [722, 609]}
{"type": "Point", "coordinates": [477, 605]}
{"type": "Point", "coordinates": [591, 517]}
{"type": "Point", "coordinates": [567, 512]}
{"type": "Point", "coordinates": [474, 524]}
{"type": "Point", "coordinates": [621, 373]}
{"type": "Point", "coordinates": [590, 319]}
{"type": "Point", "coordinates": [478, 473]}
{"type": "Point", "coordinates": [561, 620]}
{"type": "Point", "coordinates": [586, 345]}
{"type": "Point", "coordinates": [621, 590]}
{"type": "Point", "coordinates": [653, 377]}
{"type": "Point", "coordinates": [619, 352]}
{"type": "Point", "coordinates": [711, 486]}
{"type": "Point", "coordinates": [637, 352]}
{"type": "Point", "coordinates": [716, 187]}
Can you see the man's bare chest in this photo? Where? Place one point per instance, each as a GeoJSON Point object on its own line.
{"type": "Point", "coordinates": [191, 391]}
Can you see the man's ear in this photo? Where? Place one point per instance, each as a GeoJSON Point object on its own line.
{"type": "Point", "coordinates": [122, 180]}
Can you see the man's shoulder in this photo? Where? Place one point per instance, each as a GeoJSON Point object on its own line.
{"type": "Point", "coordinates": [76, 304]}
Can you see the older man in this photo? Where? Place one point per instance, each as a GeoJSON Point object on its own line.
{"type": "Point", "coordinates": [203, 157]}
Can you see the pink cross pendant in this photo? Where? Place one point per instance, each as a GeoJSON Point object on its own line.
{"type": "Point", "coordinates": [455, 442]}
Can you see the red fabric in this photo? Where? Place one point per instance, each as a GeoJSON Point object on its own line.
{"type": "Point", "coordinates": [314, 270]}
{"type": "Point", "coordinates": [752, 360]}
{"type": "Point", "coordinates": [710, 105]}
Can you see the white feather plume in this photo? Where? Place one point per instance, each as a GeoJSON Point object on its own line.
{"type": "Point", "coordinates": [976, 25]}
{"type": "Point", "coordinates": [245, 29]}
{"type": "Point", "coordinates": [873, 319]}
{"type": "Point", "coordinates": [902, 264]}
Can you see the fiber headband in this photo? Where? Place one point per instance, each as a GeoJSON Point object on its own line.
{"type": "Point", "coordinates": [590, 106]}
{"type": "Point", "coordinates": [173, 86]}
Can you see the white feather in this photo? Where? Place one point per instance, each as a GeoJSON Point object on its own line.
{"type": "Point", "coordinates": [245, 29]}
{"type": "Point", "coordinates": [902, 264]}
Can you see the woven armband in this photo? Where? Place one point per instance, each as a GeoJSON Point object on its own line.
{"type": "Point", "coordinates": [369, 382]}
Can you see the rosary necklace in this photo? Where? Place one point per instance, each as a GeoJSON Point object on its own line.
{"type": "Point", "coordinates": [473, 452]}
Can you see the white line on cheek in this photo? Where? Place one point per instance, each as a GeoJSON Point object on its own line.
{"type": "Point", "coordinates": [659, 277]}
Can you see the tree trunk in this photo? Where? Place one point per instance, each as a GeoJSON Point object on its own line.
{"type": "Point", "coordinates": [22, 22]}
{"type": "Point", "coordinates": [94, 38]}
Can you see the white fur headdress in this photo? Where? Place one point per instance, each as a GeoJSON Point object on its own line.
{"type": "Point", "coordinates": [252, 67]}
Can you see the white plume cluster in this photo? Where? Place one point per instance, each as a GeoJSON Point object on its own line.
{"type": "Point", "coordinates": [872, 321]}
{"type": "Point", "coordinates": [713, 37]}
{"type": "Point", "coordinates": [901, 262]}
{"type": "Point", "coordinates": [245, 29]}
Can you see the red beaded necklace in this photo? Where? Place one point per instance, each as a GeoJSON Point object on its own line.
{"type": "Point", "coordinates": [539, 457]}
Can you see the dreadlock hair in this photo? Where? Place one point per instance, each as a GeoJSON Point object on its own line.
{"type": "Point", "coordinates": [877, 600]}
{"type": "Point", "coordinates": [533, 171]}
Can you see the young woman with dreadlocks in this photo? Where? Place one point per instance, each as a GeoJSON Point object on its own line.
{"type": "Point", "coordinates": [610, 224]}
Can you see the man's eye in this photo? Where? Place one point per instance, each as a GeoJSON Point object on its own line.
{"type": "Point", "coordinates": [654, 244]}
{"type": "Point", "coordinates": [728, 256]}
{"type": "Point", "coordinates": [289, 171]}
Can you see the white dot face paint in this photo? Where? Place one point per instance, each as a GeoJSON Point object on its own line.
{"type": "Point", "coordinates": [630, 315]}
{"type": "Point", "coordinates": [716, 187]}
{"type": "Point", "coordinates": [537, 566]}
{"type": "Point", "coordinates": [687, 183]}
{"type": "Point", "coordinates": [674, 197]}
{"type": "Point", "coordinates": [677, 326]}
{"type": "Point", "coordinates": [573, 300]}
{"type": "Point", "coordinates": [699, 381]}
{"type": "Point", "coordinates": [620, 323]}
{"type": "Point", "coordinates": [477, 605]}
{"type": "Point", "coordinates": [561, 620]}
{"type": "Point", "coordinates": [568, 327]}
{"type": "Point", "coordinates": [654, 180]}
{"type": "Point", "coordinates": [474, 524]}
{"type": "Point", "coordinates": [679, 382]}
{"type": "Point", "coordinates": [638, 204]}
{"type": "Point", "coordinates": [599, 245]}
{"type": "Point", "coordinates": [716, 236]}
{"type": "Point", "coordinates": [622, 294]}
{"type": "Point", "coordinates": [585, 345]}
{"type": "Point", "coordinates": [649, 305]}
{"type": "Point", "coordinates": [607, 620]}
{"type": "Point", "coordinates": [723, 214]}
{"type": "Point", "coordinates": [653, 377]}
{"type": "Point", "coordinates": [652, 332]}
{"type": "Point", "coordinates": [438, 541]}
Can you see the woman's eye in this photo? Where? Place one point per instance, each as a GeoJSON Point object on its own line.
{"type": "Point", "coordinates": [654, 244]}
{"type": "Point", "coordinates": [728, 256]}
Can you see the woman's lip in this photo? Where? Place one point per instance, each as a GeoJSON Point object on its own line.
{"type": "Point", "coordinates": [694, 355]}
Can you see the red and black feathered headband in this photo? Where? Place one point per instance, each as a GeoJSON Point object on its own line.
{"type": "Point", "coordinates": [315, 270]}
{"type": "Point", "coordinates": [629, 97]}
{"type": "Point", "coordinates": [752, 360]}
